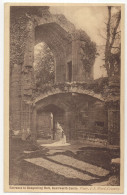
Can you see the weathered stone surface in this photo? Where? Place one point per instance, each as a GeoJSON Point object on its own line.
{"type": "Point", "coordinates": [15, 98]}
{"type": "Point", "coordinates": [68, 88]}
{"type": "Point", "coordinates": [113, 107]}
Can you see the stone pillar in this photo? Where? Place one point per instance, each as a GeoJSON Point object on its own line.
{"type": "Point", "coordinates": [15, 98]}
{"type": "Point", "coordinates": [34, 125]}
{"type": "Point", "coordinates": [67, 125]}
{"type": "Point", "coordinates": [30, 41]}
{"type": "Point", "coordinates": [113, 106]}
{"type": "Point", "coordinates": [26, 115]}
{"type": "Point", "coordinates": [113, 123]}
{"type": "Point", "coordinates": [75, 59]}
{"type": "Point", "coordinates": [70, 125]}
{"type": "Point", "coordinates": [28, 73]}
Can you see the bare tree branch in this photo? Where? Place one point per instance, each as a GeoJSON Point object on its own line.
{"type": "Point", "coordinates": [107, 47]}
{"type": "Point", "coordinates": [115, 29]}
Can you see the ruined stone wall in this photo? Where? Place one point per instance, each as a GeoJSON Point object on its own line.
{"type": "Point", "coordinates": [15, 98]}
{"type": "Point", "coordinates": [17, 48]}
{"type": "Point", "coordinates": [18, 36]}
{"type": "Point", "coordinates": [97, 118]}
{"type": "Point", "coordinates": [83, 57]}
{"type": "Point", "coordinates": [89, 120]}
{"type": "Point", "coordinates": [21, 62]}
{"type": "Point", "coordinates": [113, 107]}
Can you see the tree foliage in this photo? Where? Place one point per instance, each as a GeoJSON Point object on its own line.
{"type": "Point", "coordinates": [44, 65]}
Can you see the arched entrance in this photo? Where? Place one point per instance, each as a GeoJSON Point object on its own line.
{"type": "Point", "coordinates": [79, 116]}
{"type": "Point", "coordinates": [50, 122]}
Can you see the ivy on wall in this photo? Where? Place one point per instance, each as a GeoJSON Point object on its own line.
{"type": "Point", "coordinates": [98, 86]}
{"type": "Point", "coordinates": [18, 36]}
{"type": "Point", "coordinates": [88, 51]}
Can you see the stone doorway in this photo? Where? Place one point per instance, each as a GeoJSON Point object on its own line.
{"type": "Point", "coordinates": [50, 123]}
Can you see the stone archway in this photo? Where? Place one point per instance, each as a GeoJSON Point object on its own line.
{"type": "Point", "coordinates": [82, 116]}
{"type": "Point", "coordinates": [58, 41]}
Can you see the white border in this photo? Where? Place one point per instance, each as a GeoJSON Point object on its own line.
{"type": "Point", "coordinates": [2, 76]}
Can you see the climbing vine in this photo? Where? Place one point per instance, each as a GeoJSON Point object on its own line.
{"type": "Point", "coordinates": [18, 39]}
{"type": "Point", "coordinates": [88, 51]}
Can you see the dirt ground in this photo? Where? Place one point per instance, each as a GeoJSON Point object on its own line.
{"type": "Point", "coordinates": [76, 164]}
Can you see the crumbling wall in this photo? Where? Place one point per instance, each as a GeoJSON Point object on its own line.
{"type": "Point", "coordinates": [17, 49]}
{"type": "Point", "coordinates": [21, 62]}
{"type": "Point", "coordinates": [15, 98]}
{"type": "Point", "coordinates": [83, 57]}
{"type": "Point", "coordinates": [113, 107]}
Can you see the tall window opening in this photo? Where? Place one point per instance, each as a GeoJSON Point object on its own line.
{"type": "Point", "coordinates": [69, 64]}
{"type": "Point", "coordinates": [44, 65]}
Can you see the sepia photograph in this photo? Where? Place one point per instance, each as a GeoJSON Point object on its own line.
{"type": "Point", "coordinates": [64, 97]}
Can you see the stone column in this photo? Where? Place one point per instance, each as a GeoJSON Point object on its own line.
{"type": "Point", "coordinates": [67, 125]}
{"type": "Point", "coordinates": [34, 125]}
{"type": "Point", "coordinates": [113, 123]}
{"type": "Point", "coordinates": [15, 99]}
{"type": "Point", "coordinates": [75, 58]}
{"type": "Point", "coordinates": [30, 42]}
{"type": "Point", "coordinates": [113, 106]}
{"type": "Point", "coordinates": [70, 125]}
{"type": "Point", "coordinates": [27, 71]}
